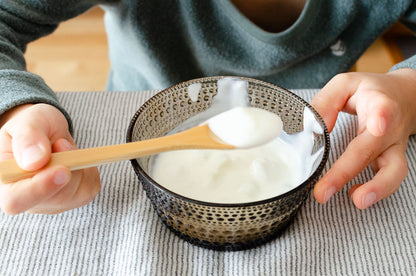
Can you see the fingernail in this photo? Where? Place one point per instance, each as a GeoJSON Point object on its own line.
{"type": "Point", "coordinates": [32, 154]}
{"type": "Point", "coordinates": [61, 178]}
{"type": "Point", "coordinates": [382, 125]}
{"type": "Point", "coordinates": [369, 199]}
{"type": "Point", "coordinates": [329, 193]}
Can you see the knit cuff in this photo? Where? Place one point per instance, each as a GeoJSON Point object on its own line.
{"type": "Point", "coordinates": [408, 63]}
{"type": "Point", "coordinates": [20, 87]}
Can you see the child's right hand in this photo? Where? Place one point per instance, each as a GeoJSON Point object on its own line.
{"type": "Point", "coordinates": [30, 133]}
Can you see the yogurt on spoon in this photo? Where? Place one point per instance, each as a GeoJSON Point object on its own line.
{"type": "Point", "coordinates": [246, 127]}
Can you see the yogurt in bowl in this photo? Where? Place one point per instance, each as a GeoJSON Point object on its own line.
{"type": "Point", "coordinates": [234, 199]}
{"type": "Point", "coordinates": [230, 176]}
{"type": "Point", "coordinates": [244, 175]}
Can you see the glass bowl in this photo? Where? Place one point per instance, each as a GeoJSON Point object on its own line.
{"type": "Point", "coordinates": [223, 226]}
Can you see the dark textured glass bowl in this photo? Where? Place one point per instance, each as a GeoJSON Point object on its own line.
{"type": "Point", "coordinates": [215, 225]}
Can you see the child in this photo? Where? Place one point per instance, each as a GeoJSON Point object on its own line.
{"type": "Point", "coordinates": [156, 43]}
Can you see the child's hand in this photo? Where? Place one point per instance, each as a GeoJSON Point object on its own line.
{"type": "Point", "coordinates": [29, 134]}
{"type": "Point", "coordinates": [386, 108]}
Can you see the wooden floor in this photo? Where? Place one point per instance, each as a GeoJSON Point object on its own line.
{"type": "Point", "coordinates": [74, 57]}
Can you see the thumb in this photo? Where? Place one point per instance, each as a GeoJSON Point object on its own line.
{"type": "Point", "coordinates": [32, 132]}
{"type": "Point", "coordinates": [377, 125]}
{"type": "Point", "coordinates": [30, 143]}
{"type": "Point", "coordinates": [381, 112]}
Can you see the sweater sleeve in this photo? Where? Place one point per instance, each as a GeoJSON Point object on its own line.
{"type": "Point", "coordinates": [409, 20]}
{"type": "Point", "coordinates": [21, 22]}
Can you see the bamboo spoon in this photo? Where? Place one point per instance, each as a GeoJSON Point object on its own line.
{"type": "Point", "coordinates": [200, 137]}
{"type": "Point", "coordinates": [241, 127]}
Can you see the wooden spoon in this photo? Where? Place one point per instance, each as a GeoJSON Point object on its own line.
{"type": "Point", "coordinates": [240, 127]}
{"type": "Point", "coordinates": [199, 137]}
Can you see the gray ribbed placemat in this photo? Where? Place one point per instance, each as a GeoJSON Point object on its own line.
{"type": "Point", "coordinates": [119, 234]}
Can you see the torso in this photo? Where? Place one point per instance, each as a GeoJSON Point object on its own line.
{"type": "Point", "coordinates": [154, 44]}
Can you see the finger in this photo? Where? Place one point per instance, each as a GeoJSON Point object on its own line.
{"type": "Point", "coordinates": [33, 131]}
{"type": "Point", "coordinates": [363, 149]}
{"type": "Point", "coordinates": [393, 170]}
{"type": "Point", "coordinates": [84, 186]}
{"type": "Point", "coordinates": [72, 196]}
{"type": "Point", "coordinates": [63, 145]}
{"type": "Point", "coordinates": [353, 189]}
{"type": "Point", "coordinates": [30, 142]}
{"type": "Point", "coordinates": [375, 110]}
{"type": "Point", "coordinates": [377, 124]}
{"type": "Point", "coordinates": [6, 151]}
{"type": "Point", "coordinates": [23, 195]}
{"type": "Point", "coordinates": [383, 114]}
{"type": "Point", "coordinates": [54, 204]}
{"type": "Point", "coordinates": [334, 97]}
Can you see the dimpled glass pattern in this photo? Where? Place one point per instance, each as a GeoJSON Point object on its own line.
{"type": "Point", "coordinates": [211, 225]}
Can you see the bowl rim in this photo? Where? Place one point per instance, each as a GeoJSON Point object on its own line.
{"type": "Point", "coordinates": [139, 170]}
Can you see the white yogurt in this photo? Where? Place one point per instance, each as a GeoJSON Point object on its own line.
{"type": "Point", "coordinates": [231, 92]}
{"type": "Point", "coordinates": [230, 176]}
{"type": "Point", "coordinates": [242, 175]}
{"type": "Point", "coordinates": [246, 127]}
{"type": "Point", "coordinates": [193, 91]}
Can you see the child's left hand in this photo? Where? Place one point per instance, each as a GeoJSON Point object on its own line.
{"type": "Point", "coordinates": [386, 108]}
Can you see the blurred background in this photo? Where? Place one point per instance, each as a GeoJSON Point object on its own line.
{"type": "Point", "coordinates": [74, 57]}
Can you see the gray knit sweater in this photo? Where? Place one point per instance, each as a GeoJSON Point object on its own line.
{"type": "Point", "coordinates": [156, 43]}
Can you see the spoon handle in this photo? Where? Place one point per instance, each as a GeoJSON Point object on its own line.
{"type": "Point", "coordinates": [199, 137]}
